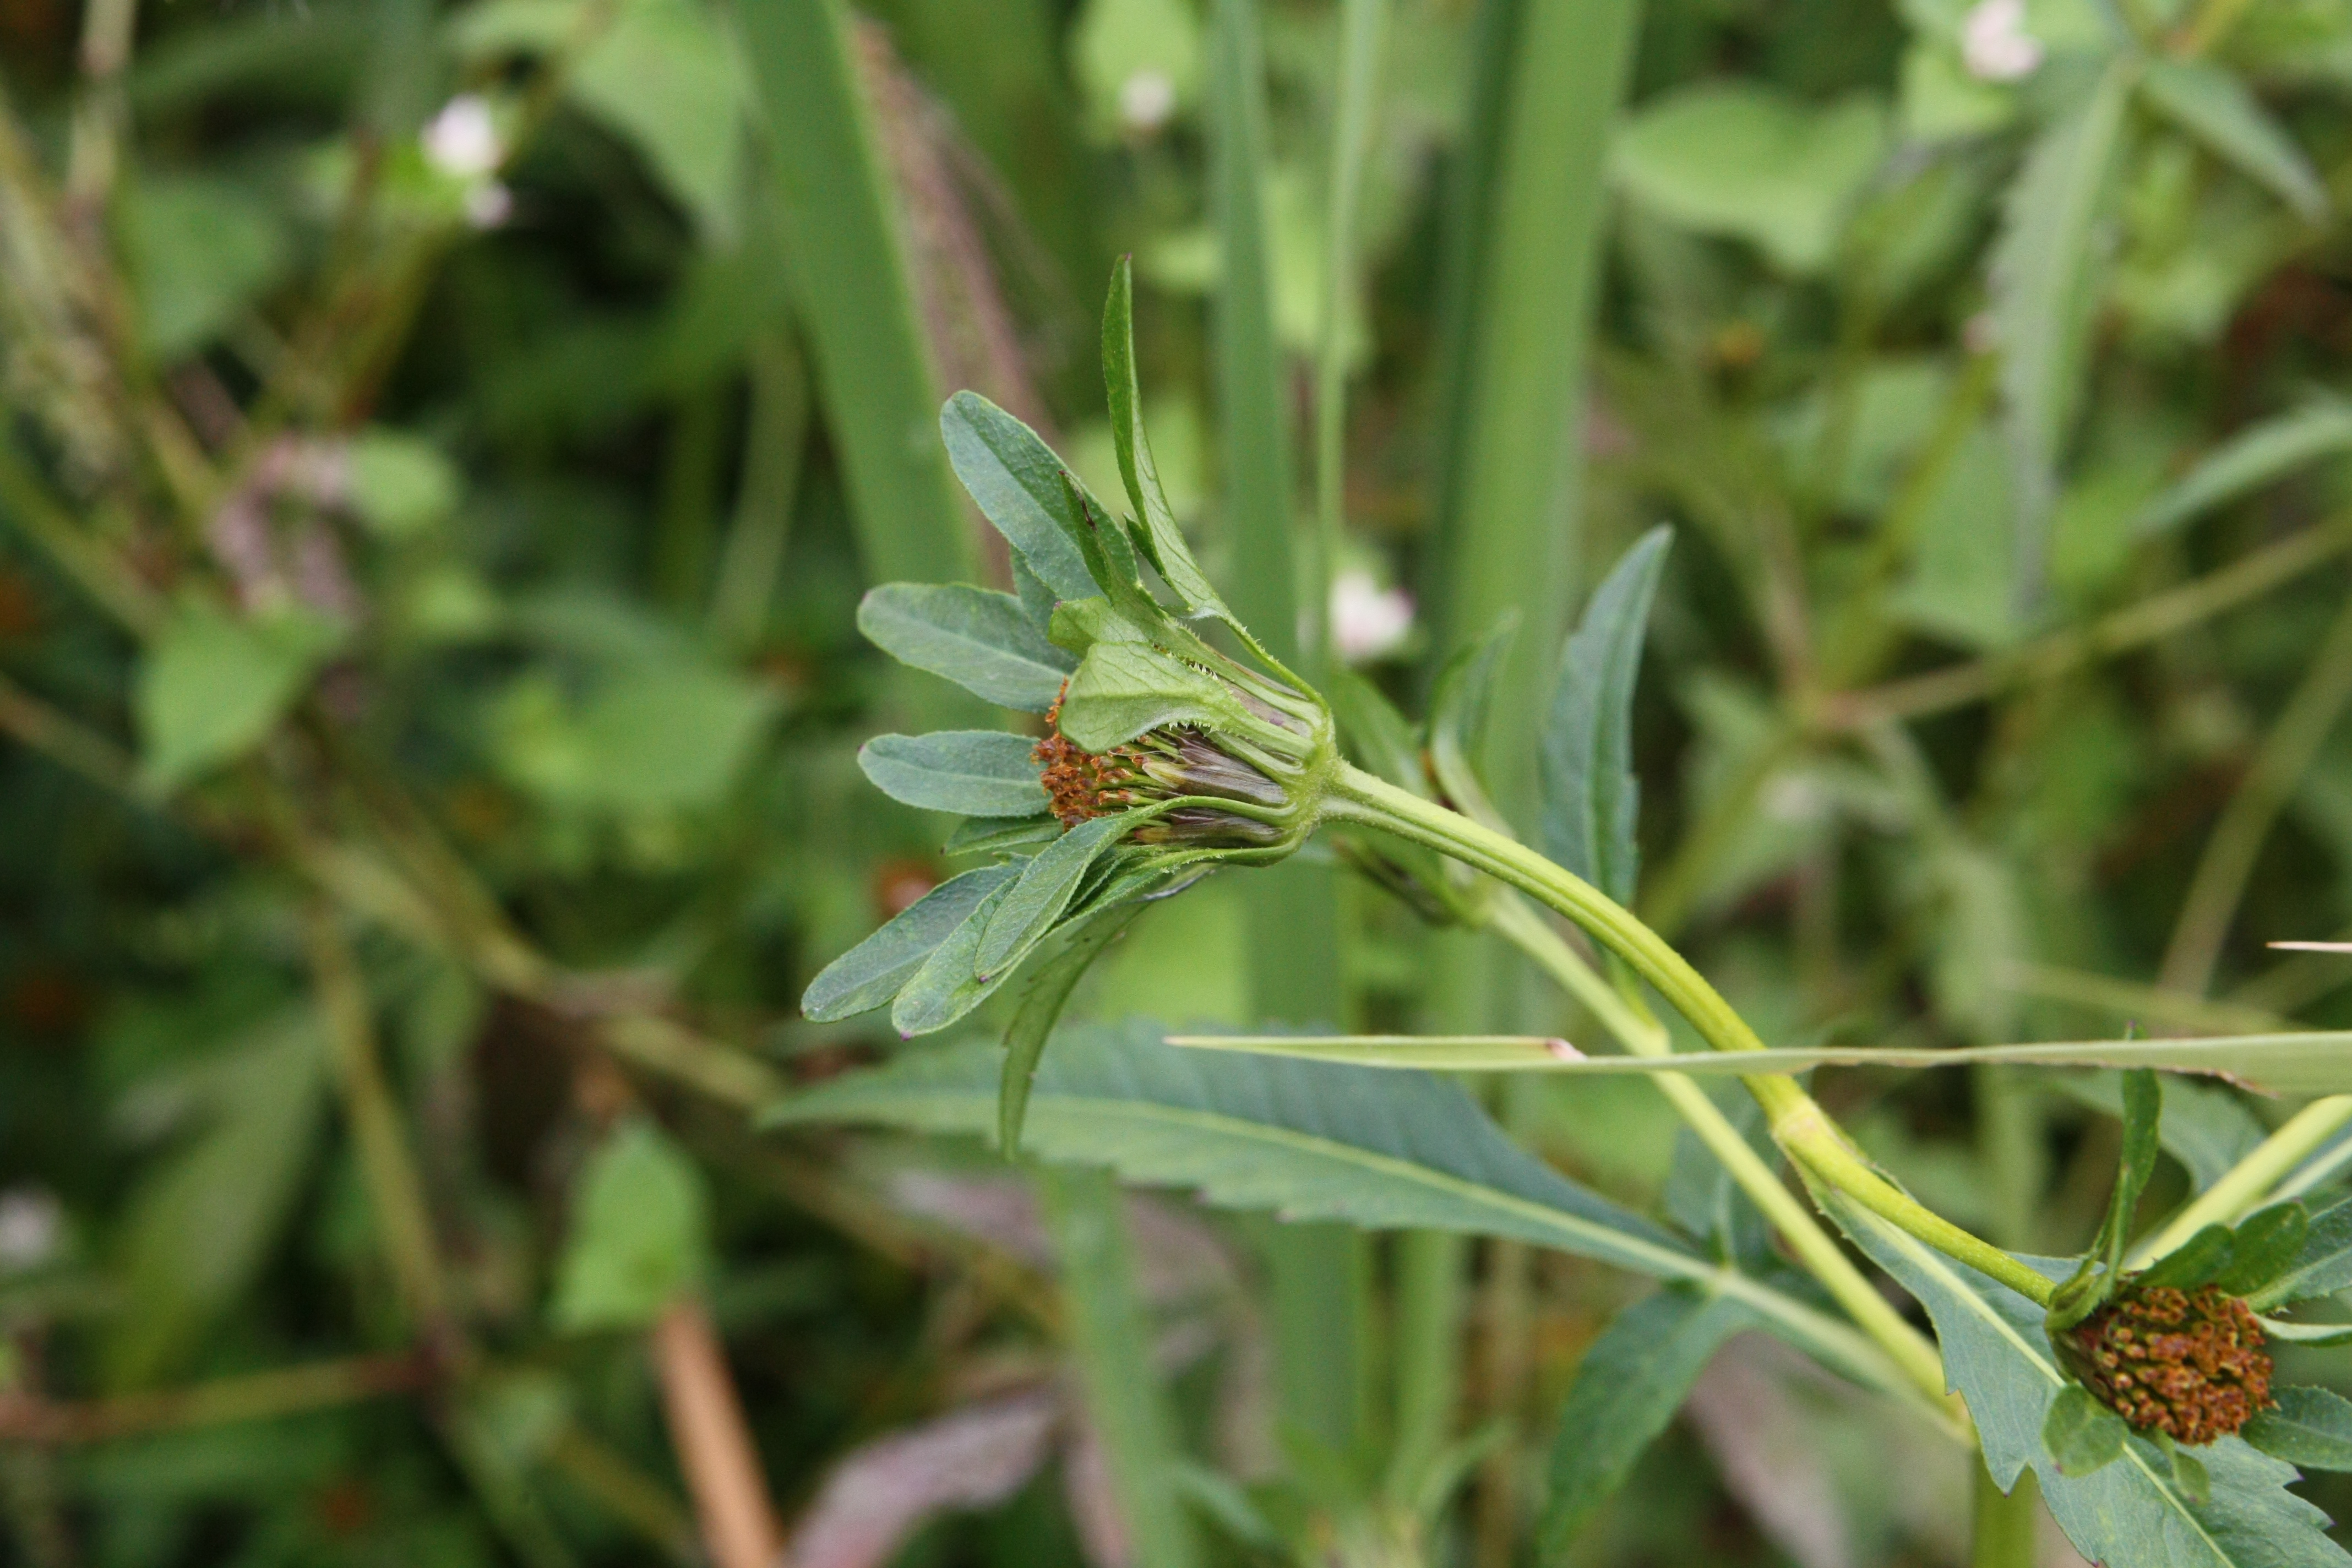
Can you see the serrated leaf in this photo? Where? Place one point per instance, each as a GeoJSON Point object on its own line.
{"type": "Point", "coordinates": [1047, 993]}
{"type": "Point", "coordinates": [1019, 485]}
{"type": "Point", "coordinates": [2216, 107]}
{"type": "Point", "coordinates": [2307, 1426]}
{"type": "Point", "coordinates": [878, 969]}
{"type": "Point", "coordinates": [950, 985]}
{"type": "Point", "coordinates": [1591, 799]}
{"type": "Point", "coordinates": [974, 637]}
{"type": "Point", "coordinates": [1376, 1150]}
{"type": "Point", "coordinates": [2323, 1268]}
{"type": "Point", "coordinates": [1158, 536]}
{"type": "Point", "coordinates": [2133, 1512]}
{"type": "Point", "coordinates": [972, 773]}
{"type": "Point", "coordinates": [2083, 1436]}
{"type": "Point", "coordinates": [1047, 883]}
{"type": "Point", "coordinates": [1628, 1387]}
{"type": "Point", "coordinates": [2045, 267]}
{"type": "Point", "coordinates": [1122, 688]}
{"type": "Point", "coordinates": [2260, 455]}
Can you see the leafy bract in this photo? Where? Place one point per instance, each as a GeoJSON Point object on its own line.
{"type": "Point", "coordinates": [978, 639]}
{"type": "Point", "coordinates": [2102, 1268]}
{"type": "Point", "coordinates": [1043, 997]}
{"type": "Point", "coordinates": [1306, 1142]}
{"type": "Point", "coordinates": [2306, 1426]}
{"type": "Point", "coordinates": [869, 974]}
{"type": "Point", "coordinates": [973, 773]}
{"type": "Point", "coordinates": [2215, 107]}
{"type": "Point", "coordinates": [1157, 532]}
{"type": "Point", "coordinates": [1591, 799]}
{"type": "Point", "coordinates": [1020, 487]}
{"type": "Point", "coordinates": [1627, 1387]}
{"type": "Point", "coordinates": [2323, 1265]}
{"type": "Point", "coordinates": [1046, 885]}
{"type": "Point", "coordinates": [2206, 1126]}
{"type": "Point", "coordinates": [1460, 705]}
{"type": "Point", "coordinates": [1122, 688]}
{"type": "Point", "coordinates": [2260, 455]}
{"type": "Point", "coordinates": [2134, 1511]}
{"type": "Point", "coordinates": [2082, 1434]}
{"type": "Point", "coordinates": [950, 985]}
{"type": "Point", "coordinates": [2313, 1062]}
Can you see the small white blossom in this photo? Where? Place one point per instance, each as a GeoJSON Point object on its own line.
{"type": "Point", "coordinates": [1994, 43]}
{"type": "Point", "coordinates": [1146, 100]}
{"type": "Point", "coordinates": [1367, 620]}
{"type": "Point", "coordinates": [462, 142]}
{"type": "Point", "coordinates": [31, 1225]}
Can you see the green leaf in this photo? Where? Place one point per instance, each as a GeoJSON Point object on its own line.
{"type": "Point", "coordinates": [2102, 1268]}
{"type": "Point", "coordinates": [2258, 456]}
{"type": "Point", "coordinates": [2263, 1247]}
{"type": "Point", "coordinates": [2206, 1126]}
{"type": "Point", "coordinates": [876, 970]}
{"type": "Point", "coordinates": [1020, 486]}
{"type": "Point", "coordinates": [2193, 1263]}
{"type": "Point", "coordinates": [2307, 1426]}
{"type": "Point", "coordinates": [988, 836]}
{"type": "Point", "coordinates": [212, 687]}
{"type": "Point", "coordinates": [401, 484]}
{"type": "Point", "coordinates": [2133, 1512]}
{"type": "Point", "coordinates": [2310, 1063]}
{"type": "Point", "coordinates": [1461, 703]}
{"type": "Point", "coordinates": [2083, 1437]}
{"type": "Point", "coordinates": [2323, 1268]}
{"type": "Point", "coordinates": [1376, 1150]}
{"type": "Point", "coordinates": [1746, 160]}
{"type": "Point", "coordinates": [1627, 1387]}
{"type": "Point", "coordinates": [2215, 107]}
{"type": "Point", "coordinates": [973, 773]}
{"type": "Point", "coordinates": [1042, 1001]}
{"type": "Point", "coordinates": [639, 1233]}
{"type": "Point", "coordinates": [2191, 1476]}
{"type": "Point", "coordinates": [665, 77]}
{"type": "Point", "coordinates": [198, 251]}
{"type": "Point", "coordinates": [1123, 689]}
{"type": "Point", "coordinates": [948, 983]}
{"type": "Point", "coordinates": [978, 639]}
{"type": "Point", "coordinates": [1591, 799]}
{"type": "Point", "coordinates": [2045, 267]}
{"type": "Point", "coordinates": [673, 733]}
{"type": "Point", "coordinates": [1703, 1198]}
{"type": "Point", "coordinates": [1162, 539]}
{"type": "Point", "coordinates": [1047, 884]}
{"type": "Point", "coordinates": [1377, 735]}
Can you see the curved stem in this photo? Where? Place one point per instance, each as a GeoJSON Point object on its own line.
{"type": "Point", "coordinates": [1512, 918]}
{"type": "Point", "coordinates": [1798, 1125]}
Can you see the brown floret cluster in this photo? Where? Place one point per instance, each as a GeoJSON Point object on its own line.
{"type": "Point", "coordinates": [2190, 1364]}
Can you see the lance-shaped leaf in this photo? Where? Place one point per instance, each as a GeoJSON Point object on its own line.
{"type": "Point", "coordinates": [2306, 1426]}
{"type": "Point", "coordinates": [1162, 539]}
{"type": "Point", "coordinates": [991, 835]}
{"type": "Point", "coordinates": [2317, 1062]}
{"type": "Point", "coordinates": [2258, 456]}
{"type": "Point", "coordinates": [972, 773]}
{"type": "Point", "coordinates": [1460, 705]}
{"type": "Point", "coordinates": [1627, 1387]}
{"type": "Point", "coordinates": [1377, 1149]}
{"type": "Point", "coordinates": [1122, 688]}
{"type": "Point", "coordinates": [949, 983]}
{"type": "Point", "coordinates": [2134, 1511]}
{"type": "Point", "coordinates": [975, 637]}
{"type": "Point", "coordinates": [1020, 486]}
{"type": "Point", "coordinates": [869, 974]}
{"type": "Point", "coordinates": [2102, 1268]}
{"type": "Point", "coordinates": [2215, 107]}
{"type": "Point", "coordinates": [1047, 884]}
{"type": "Point", "coordinates": [1080, 942]}
{"type": "Point", "coordinates": [2323, 1268]}
{"type": "Point", "coordinates": [1591, 799]}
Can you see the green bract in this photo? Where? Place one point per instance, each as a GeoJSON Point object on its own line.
{"type": "Point", "coordinates": [1168, 754]}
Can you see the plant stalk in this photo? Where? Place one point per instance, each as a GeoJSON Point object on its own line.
{"type": "Point", "coordinates": [1798, 1125]}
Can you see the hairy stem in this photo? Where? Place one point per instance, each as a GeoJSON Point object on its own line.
{"type": "Point", "coordinates": [1798, 1125]}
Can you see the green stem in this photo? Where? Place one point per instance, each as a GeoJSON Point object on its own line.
{"type": "Point", "coordinates": [1813, 1246]}
{"type": "Point", "coordinates": [2006, 1522]}
{"type": "Point", "coordinates": [1798, 1125]}
{"type": "Point", "coordinates": [2250, 1178]}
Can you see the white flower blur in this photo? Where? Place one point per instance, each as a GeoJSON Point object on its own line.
{"type": "Point", "coordinates": [1994, 43]}
{"type": "Point", "coordinates": [488, 205]}
{"type": "Point", "coordinates": [1367, 620]}
{"type": "Point", "coordinates": [462, 142]}
{"type": "Point", "coordinates": [1146, 100]}
{"type": "Point", "coordinates": [31, 1225]}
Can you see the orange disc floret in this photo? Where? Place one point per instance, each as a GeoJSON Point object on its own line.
{"type": "Point", "coordinates": [2192, 1364]}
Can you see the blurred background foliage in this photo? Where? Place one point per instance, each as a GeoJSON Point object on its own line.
{"type": "Point", "coordinates": [445, 447]}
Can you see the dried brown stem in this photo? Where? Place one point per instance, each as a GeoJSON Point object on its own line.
{"type": "Point", "coordinates": [713, 1441]}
